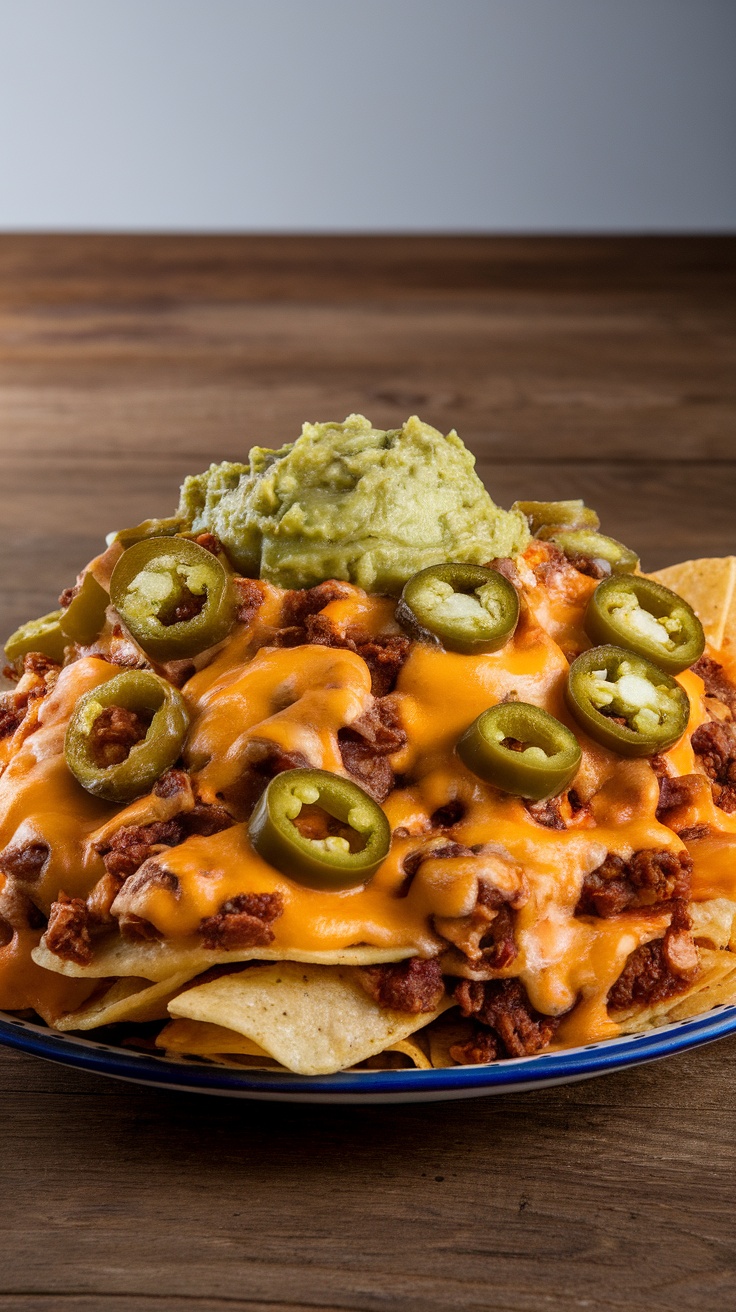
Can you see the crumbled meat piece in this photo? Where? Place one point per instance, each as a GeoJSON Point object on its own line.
{"type": "Point", "coordinates": [68, 595]}
{"type": "Point", "coordinates": [503, 1006]}
{"type": "Point", "coordinates": [676, 791]}
{"type": "Point", "coordinates": [415, 986]}
{"type": "Point", "coordinates": [24, 860]}
{"type": "Point", "coordinates": [482, 1048]}
{"type": "Point", "coordinates": [586, 565]}
{"type": "Point", "coordinates": [112, 735]}
{"type": "Point", "coordinates": [366, 744]}
{"type": "Point", "coordinates": [206, 819]}
{"type": "Point", "coordinates": [650, 876]}
{"type": "Point", "coordinates": [70, 929]}
{"type": "Point", "coordinates": [250, 594]}
{"type": "Point", "coordinates": [150, 875]}
{"type": "Point", "coordinates": [448, 815]}
{"type": "Point", "coordinates": [303, 602]}
{"type": "Point", "coordinates": [172, 782]}
{"type": "Point", "coordinates": [13, 707]}
{"type": "Point", "coordinates": [498, 945]}
{"type": "Point", "coordinates": [717, 684]}
{"type": "Point", "coordinates": [242, 922]}
{"type": "Point", "coordinates": [660, 969]}
{"type": "Point", "coordinates": [715, 743]}
{"type": "Point", "coordinates": [264, 760]}
{"type": "Point", "coordinates": [547, 813]}
{"type": "Point", "coordinates": [125, 851]}
{"type": "Point", "coordinates": [188, 605]}
{"type": "Point", "coordinates": [384, 657]}
{"type": "Point", "coordinates": [34, 662]}
{"type": "Point", "coordinates": [694, 832]}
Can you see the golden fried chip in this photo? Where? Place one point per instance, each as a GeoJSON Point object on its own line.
{"type": "Point", "coordinates": [127, 999]}
{"type": "Point", "coordinates": [156, 959]}
{"type": "Point", "coordinates": [315, 1020]}
{"type": "Point", "coordinates": [197, 1038]}
{"type": "Point", "coordinates": [709, 585]}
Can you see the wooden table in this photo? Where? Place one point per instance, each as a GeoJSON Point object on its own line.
{"type": "Point", "coordinates": [594, 368]}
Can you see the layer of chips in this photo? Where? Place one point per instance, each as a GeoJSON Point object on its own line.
{"type": "Point", "coordinates": [158, 960]}
{"type": "Point", "coordinates": [315, 1020]}
{"type": "Point", "coordinates": [127, 999]}
{"type": "Point", "coordinates": [194, 1038]}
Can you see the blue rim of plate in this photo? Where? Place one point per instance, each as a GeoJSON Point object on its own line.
{"type": "Point", "coordinates": [519, 1073]}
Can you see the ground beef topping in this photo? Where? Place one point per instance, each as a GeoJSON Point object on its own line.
{"type": "Point", "coordinates": [483, 1047]}
{"type": "Point", "coordinates": [250, 594]}
{"type": "Point", "coordinates": [660, 969]}
{"type": "Point", "coordinates": [675, 792]}
{"type": "Point", "coordinates": [366, 744]}
{"type": "Point", "coordinates": [242, 922]}
{"type": "Point", "coordinates": [126, 850]}
{"type": "Point", "coordinates": [70, 930]}
{"type": "Point", "coordinates": [24, 861]}
{"type": "Point", "coordinates": [112, 735]}
{"type": "Point", "coordinates": [502, 1006]}
{"type": "Point", "coordinates": [547, 813]}
{"type": "Point", "coordinates": [717, 683]}
{"type": "Point", "coordinates": [715, 744]}
{"type": "Point", "coordinates": [648, 877]}
{"type": "Point", "coordinates": [415, 986]}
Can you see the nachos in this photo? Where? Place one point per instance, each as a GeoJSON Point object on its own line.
{"type": "Point", "coordinates": [343, 766]}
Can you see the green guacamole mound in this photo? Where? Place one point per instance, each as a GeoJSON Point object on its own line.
{"type": "Point", "coordinates": [348, 501]}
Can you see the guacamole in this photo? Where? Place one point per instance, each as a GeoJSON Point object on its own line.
{"type": "Point", "coordinates": [349, 501]}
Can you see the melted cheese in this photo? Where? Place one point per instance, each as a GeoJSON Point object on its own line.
{"type": "Point", "coordinates": [253, 693]}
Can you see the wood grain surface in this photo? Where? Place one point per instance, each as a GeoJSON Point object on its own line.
{"type": "Point", "coordinates": [596, 368]}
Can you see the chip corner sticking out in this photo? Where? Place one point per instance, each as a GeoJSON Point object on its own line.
{"type": "Point", "coordinates": [709, 585]}
{"type": "Point", "coordinates": [315, 1020]}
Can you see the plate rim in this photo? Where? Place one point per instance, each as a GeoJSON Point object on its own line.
{"type": "Point", "coordinates": [518, 1074]}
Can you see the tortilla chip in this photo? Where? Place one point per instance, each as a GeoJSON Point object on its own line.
{"type": "Point", "coordinates": [128, 999]}
{"type": "Point", "coordinates": [155, 959]}
{"type": "Point", "coordinates": [315, 1020]}
{"type": "Point", "coordinates": [197, 1038]}
{"type": "Point", "coordinates": [715, 986]}
{"type": "Point", "coordinates": [709, 585]}
{"type": "Point", "coordinates": [443, 1035]}
{"type": "Point", "coordinates": [713, 921]}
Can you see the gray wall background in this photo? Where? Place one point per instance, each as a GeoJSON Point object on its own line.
{"type": "Point", "coordinates": [368, 115]}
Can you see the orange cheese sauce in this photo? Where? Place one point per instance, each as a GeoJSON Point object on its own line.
{"type": "Point", "coordinates": [253, 692]}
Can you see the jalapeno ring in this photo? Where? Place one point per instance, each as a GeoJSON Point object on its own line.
{"type": "Point", "coordinates": [148, 697]}
{"type": "Point", "coordinates": [606, 682]}
{"type": "Point", "coordinates": [643, 616]}
{"type": "Point", "coordinates": [562, 514]}
{"type": "Point", "coordinates": [44, 635]}
{"type": "Point", "coordinates": [174, 597]}
{"type": "Point", "coordinates": [521, 749]}
{"type": "Point", "coordinates": [324, 862]}
{"type": "Point", "coordinates": [466, 608]}
{"type": "Point", "coordinates": [612, 556]}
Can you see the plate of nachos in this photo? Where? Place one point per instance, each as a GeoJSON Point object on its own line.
{"type": "Point", "coordinates": [343, 783]}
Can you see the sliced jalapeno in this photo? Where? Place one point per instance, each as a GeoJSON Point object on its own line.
{"type": "Point", "coordinates": [174, 596]}
{"type": "Point", "coordinates": [611, 556]}
{"type": "Point", "coordinates": [467, 608]}
{"type": "Point", "coordinates": [44, 635]}
{"type": "Point", "coordinates": [646, 618]}
{"type": "Point", "coordinates": [522, 749]}
{"type": "Point", "coordinates": [625, 702]}
{"type": "Point", "coordinates": [563, 514]}
{"type": "Point", "coordinates": [125, 734]}
{"type": "Point", "coordinates": [84, 617]}
{"type": "Point", "coordinates": [338, 846]}
{"type": "Point", "coordinates": [148, 528]}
